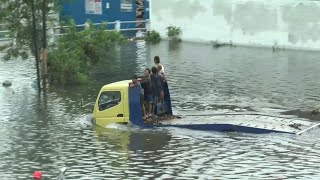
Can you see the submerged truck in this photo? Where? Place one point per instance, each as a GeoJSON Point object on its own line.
{"type": "Point", "coordinates": [119, 103]}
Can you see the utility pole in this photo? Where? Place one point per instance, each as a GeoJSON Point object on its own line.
{"type": "Point", "coordinates": [35, 43]}
{"type": "Point", "coordinates": [44, 44]}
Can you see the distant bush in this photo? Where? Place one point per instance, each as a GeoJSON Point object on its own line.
{"type": "Point", "coordinates": [217, 44]}
{"type": "Point", "coordinates": [174, 33]}
{"type": "Point", "coordinates": [153, 37]}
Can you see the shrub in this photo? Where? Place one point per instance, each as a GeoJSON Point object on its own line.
{"type": "Point", "coordinates": [70, 59]}
{"type": "Point", "coordinates": [153, 37]}
{"type": "Point", "coordinates": [217, 44]}
{"type": "Point", "coordinates": [173, 31]}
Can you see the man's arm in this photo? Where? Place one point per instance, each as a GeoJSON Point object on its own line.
{"type": "Point", "coordinates": [143, 81]}
{"type": "Point", "coordinates": [160, 82]}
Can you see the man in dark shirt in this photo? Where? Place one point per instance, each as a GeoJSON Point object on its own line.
{"type": "Point", "coordinates": [148, 95]}
{"type": "Point", "coordinates": [156, 86]}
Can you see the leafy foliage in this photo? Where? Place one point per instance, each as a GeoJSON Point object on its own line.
{"type": "Point", "coordinates": [76, 51]}
{"type": "Point", "coordinates": [153, 37]}
{"type": "Point", "coordinates": [173, 31]}
{"type": "Point", "coordinates": [17, 15]}
{"type": "Point", "coordinates": [70, 58]}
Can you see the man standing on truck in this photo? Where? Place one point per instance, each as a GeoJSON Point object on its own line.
{"type": "Point", "coordinates": [156, 86]}
{"type": "Point", "coordinates": [147, 90]}
{"type": "Point", "coordinates": [159, 67]}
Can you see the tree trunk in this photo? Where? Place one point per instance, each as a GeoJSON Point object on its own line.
{"type": "Point", "coordinates": [35, 44]}
{"type": "Point", "coordinates": [44, 44]}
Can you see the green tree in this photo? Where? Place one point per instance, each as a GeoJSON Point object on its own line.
{"type": "Point", "coordinates": [70, 58]}
{"type": "Point", "coordinates": [17, 14]}
{"type": "Point", "coordinates": [27, 21]}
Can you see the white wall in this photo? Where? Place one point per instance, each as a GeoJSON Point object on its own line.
{"type": "Point", "coordinates": [289, 23]}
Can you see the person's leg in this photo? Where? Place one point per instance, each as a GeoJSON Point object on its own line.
{"type": "Point", "coordinates": [149, 102]}
{"type": "Point", "coordinates": [150, 108]}
{"type": "Point", "coordinates": [142, 105]}
{"type": "Point", "coordinates": [143, 111]}
{"type": "Point", "coordinates": [146, 107]}
{"type": "Point", "coordinates": [155, 100]}
{"type": "Point", "coordinates": [161, 96]}
{"type": "Point", "coordinates": [145, 100]}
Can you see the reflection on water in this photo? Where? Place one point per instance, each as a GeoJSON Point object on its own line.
{"type": "Point", "coordinates": [49, 132]}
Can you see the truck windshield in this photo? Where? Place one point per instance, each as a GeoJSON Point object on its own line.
{"type": "Point", "coordinates": [109, 99]}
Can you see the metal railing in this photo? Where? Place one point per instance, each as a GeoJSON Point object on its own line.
{"type": "Point", "coordinates": [117, 26]}
{"type": "Point", "coordinates": [55, 32]}
{"type": "Point", "coordinates": [4, 33]}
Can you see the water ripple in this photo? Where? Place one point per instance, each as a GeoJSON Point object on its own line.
{"type": "Point", "coordinates": [52, 130]}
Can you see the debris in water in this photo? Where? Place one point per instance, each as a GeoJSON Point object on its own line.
{"type": "Point", "coordinates": [37, 175]}
{"type": "Point", "coordinates": [7, 83]}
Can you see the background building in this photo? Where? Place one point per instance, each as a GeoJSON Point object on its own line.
{"type": "Point", "coordinates": [281, 23]}
{"type": "Point", "coordinates": [106, 10]}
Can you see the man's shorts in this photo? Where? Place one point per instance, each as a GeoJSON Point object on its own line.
{"type": "Point", "coordinates": [148, 98]}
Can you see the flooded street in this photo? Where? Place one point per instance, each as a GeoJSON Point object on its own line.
{"type": "Point", "coordinates": [51, 131]}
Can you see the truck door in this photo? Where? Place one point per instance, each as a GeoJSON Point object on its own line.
{"type": "Point", "coordinates": [110, 108]}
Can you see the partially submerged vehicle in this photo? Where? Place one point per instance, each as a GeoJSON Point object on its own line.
{"type": "Point", "coordinates": [119, 103]}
